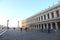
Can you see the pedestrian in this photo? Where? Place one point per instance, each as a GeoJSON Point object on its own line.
{"type": "Point", "coordinates": [26, 29]}
{"type": "Point", "coordinates": [14, 28]}
{"type": "Point", "coordinates": [49, 29]}
{"type": "Point", "coordinates": [21, 29]}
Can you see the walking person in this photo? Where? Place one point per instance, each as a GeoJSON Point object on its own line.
{"type": "Point", "coordinates": [49, 29]}
{"type": "Point", "coordinates": [26, 29]}
{"type": "Point", "coordinates": [20, 29]}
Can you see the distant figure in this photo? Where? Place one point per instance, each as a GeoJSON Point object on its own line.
{"type": "Point", "coordinates": [7, 27]}
{"type": "Point", "coordinates": [21, 29]}
{"type": "Point", "coordinates": [49, 29]}
{"type": "Point", "coordinates": [14, 28]}
{"type": "Point", "coordinates": [26, 29]}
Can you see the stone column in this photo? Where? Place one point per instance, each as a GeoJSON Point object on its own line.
{"type": "Point", "coordinates": [47, 25]}
{"type": "Point", "coordinates": [37, 26]}
{"type": "Point", "coordinates": [43, 18]}
{"type": "Point", "coordinates": [43, 27]}
{"type": "Point", "coordinates": [33, 26]}
{"type": "Point", "coordinates": [51, 26]}
{"type": "Point", "coordinates": [46, 17]}
{"type": "Point", "coordinates": [59, 13]}
{"type": "Point", "coordinates": [18, 23]}
{"type": "Point", "coordinates": [56, 25]}
{"type": "Point", "coordinates": [7, 23]}
{"type": "Point", "coordinates": [55, 15]}
{"type": "Point", "coordinates": [37, 19]}
{"type": "Point", "coordinates": [40, 26]}
{"type": "Point", "coordinates": [50, 15]}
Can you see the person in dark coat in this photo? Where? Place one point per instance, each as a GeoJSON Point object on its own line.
{"type": "Point", "coordinates": [49, 29]}
{"type": "Point", "coordinates": [26, 29]}
{"type": "Point", "coordinates": [21, 29]}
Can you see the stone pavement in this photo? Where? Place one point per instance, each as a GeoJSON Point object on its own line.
{"type": "Point", "coordinates": [29, 35]}
{"type": "Point", "coordinates": [2, 31]}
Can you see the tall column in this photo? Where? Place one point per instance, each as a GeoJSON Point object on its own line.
{"type": "Point", "coordinates": [38, 19]}
{"type": "Point", "coordinates": [36, 26]}
{"type": "Point", "coordinates": [43, 27]}
{"type": "Point", "coordinates": [55, 15]}
{"type": "Point", "coordinates": [46, 17]}
{"type": "Point", "coordinates": [51, 26]}
{"type": "Point", "coordinates": [32, 26]}
{"type": "Point", "coordinates": [50, 15]}
{"type": "Point", "coordinates": [43, 18]}
{"type": "Point", "coordinates": [56, 25]}
{"type": "Point", "coordinates": [59, 13]}
{"type": "Point", "coordinates": [18, 23]}
{"type": "Point", "coordinates": [47, 25]}
{"type": "Point", "coordinates": [40, 26]}
{"type": "Point", "coordinates": [7, 23]}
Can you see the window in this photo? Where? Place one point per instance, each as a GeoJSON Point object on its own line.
{"type": "Point", "coordinates": [48, 15]}
{"type": "Point", "coordinates": [41, 17]}
{"type": "Point", "coordinates": [52, 14]}
{"type": "Point", "coordinates": [57, 13]}
{"type": "Point", "coordinates": [44, 17]}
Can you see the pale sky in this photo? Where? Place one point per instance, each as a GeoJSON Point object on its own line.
{"type": "Point", "coordinates": [15, 10]}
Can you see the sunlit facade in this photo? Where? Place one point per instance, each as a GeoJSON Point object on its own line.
{"type": "Point", "coordinates": [24, 24]}
{"type": "Point", "coordinates": [50, 17]}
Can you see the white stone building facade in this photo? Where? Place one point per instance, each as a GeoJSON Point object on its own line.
{"type": "Point", "coordinates": [47, 18]}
